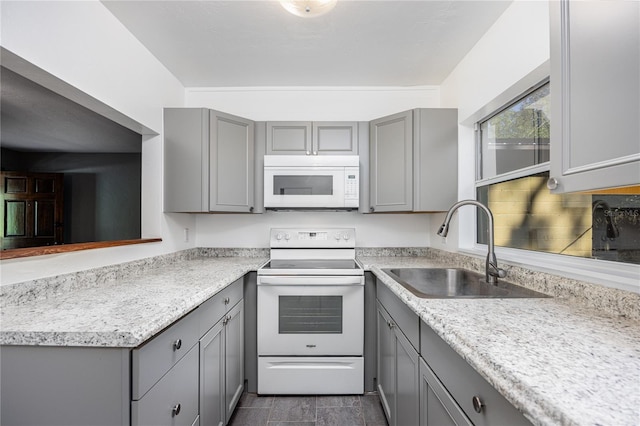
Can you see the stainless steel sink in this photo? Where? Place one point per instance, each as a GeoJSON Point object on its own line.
{"type": "Point", "coordinates": [455, 283]}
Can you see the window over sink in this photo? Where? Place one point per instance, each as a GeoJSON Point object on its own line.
{"type": "Point", "coordinates": [511, 177]}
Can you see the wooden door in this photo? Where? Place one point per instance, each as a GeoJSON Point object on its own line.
{"type": "Point", "coordinates": [31, 209]}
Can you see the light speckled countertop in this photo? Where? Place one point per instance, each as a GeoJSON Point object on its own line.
{"type": "Point", "coordinates": [558, 362]}
{"type": "Point", "coordinates": [121, 312]}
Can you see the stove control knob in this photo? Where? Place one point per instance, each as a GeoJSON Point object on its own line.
{"type": "Point", "coordinates": [337, 237]}
{"type": "Point", "coordinates": [287, 237]}
{"type": "Point", "coordinates": [346, 236]}
{"type": "Point", "coordinates": [279, 236]}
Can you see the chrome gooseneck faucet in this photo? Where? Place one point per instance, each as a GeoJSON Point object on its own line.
{"type": "Point", "coordinates": [491, 268]}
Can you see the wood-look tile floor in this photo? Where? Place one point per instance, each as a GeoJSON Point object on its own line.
{"type": "Point", "coordinates": [321, 410]}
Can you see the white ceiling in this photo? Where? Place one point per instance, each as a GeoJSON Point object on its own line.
{"type": "Point", "coordinates": [240, 43]}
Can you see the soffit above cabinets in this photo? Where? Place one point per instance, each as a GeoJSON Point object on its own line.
{"type": "Point", "coordinates": [358, 43]}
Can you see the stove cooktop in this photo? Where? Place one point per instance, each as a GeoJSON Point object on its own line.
{"type": "Point", "coordinates": [311, 264]}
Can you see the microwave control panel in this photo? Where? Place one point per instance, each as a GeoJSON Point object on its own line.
{"type": "Point", "coordinates": [351, 184]}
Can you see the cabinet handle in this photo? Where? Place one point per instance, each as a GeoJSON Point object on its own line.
{"type": "Point", "coordinates": [251, 209]}
{"type": "Point", "coordinates": [226, 300]}
{"type": "Point", "coordinates": [315, 152]}
{"type": "Point", "coordinates": [308, 152]}
{"type": "Point", "coordinates": [552, 183]}
{"type": "Point", "coordinates": [176, 410]}
{"type": "Point", "coordinates": [372, 209]}
{"type": "Point", "coordinates": [225, 321]}
{"type": "Point", "coordinates": [390, 324]}
{"type": "Point", "coordinates": [177, 344]}
{"type": "Point", "coordinates": [478, 405]}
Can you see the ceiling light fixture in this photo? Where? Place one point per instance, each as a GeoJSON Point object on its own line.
{"type": "Point", "coordinates": [308, 8]}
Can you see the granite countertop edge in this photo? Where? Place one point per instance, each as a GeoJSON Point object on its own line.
{"type": "Point", "coordinates": [124, 312]}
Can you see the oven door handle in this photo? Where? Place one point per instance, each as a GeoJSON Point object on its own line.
{"type": "Point", "coordinates": [312, 280]}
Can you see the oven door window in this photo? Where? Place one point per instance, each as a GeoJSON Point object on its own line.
{"type": "Point", "coordinates": [302, 185]}
{"type": "Point", "coordinates": [310, 314]}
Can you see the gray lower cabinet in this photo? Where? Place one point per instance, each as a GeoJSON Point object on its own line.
{"type": "Point", "coordinates": [437, 406]}
{"type": "Point", "coordinates": [64, 386]}
{"type": "Point", "coordinates": [208, 161]}
{"type": "Point", "coordinates": [222, 361]}
{"type": "Point", "coordinates": [191, 373]}
{"type": "Point", "coordinates": [312, 138]}
{"type": "Point", "coordinates": [174, 399]}
{"type": "Point", "coordinates": [422, 381]}
{"type": "Point", "coordinates": [480, 402]}
{"type": "Point", "coordinates": [398, 364]}
{"type": "Point", "coordinates": [413, 161]}
{"type": "Point", "coordinates": [595, 94]}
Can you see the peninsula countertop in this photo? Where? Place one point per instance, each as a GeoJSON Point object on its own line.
{"type": "Point", "coordinates": [557, 362]}
{"type": "Point", "coordinates": [122, 312]}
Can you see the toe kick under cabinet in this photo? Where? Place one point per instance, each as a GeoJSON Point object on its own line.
{"type": "Point", "coordinates": [422, 381]}
{"type": "Point", "coordinates": [191, 373]}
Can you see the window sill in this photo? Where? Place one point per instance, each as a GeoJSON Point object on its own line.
{"type": "Point", "coordinates": [622, 276]}
{"type": "Point", "coordinates": [66, 248]}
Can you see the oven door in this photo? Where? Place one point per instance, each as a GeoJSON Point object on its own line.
{"type": "Point", "coordinates": [310, 315]}
{"type": "Point", "coordinates": [311, 187]}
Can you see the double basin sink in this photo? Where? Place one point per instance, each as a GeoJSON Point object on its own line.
{"type": "Point", "coordinates": [453, 283]}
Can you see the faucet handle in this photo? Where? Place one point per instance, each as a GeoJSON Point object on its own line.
{"type": "Point", "coordinates": [494, 271]}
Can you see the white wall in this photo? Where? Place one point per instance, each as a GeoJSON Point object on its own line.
{"type": "Point", "coordinates": [514, 47]}
{"type": "Point", "coordinates": [319, 104]}
{"type": "Point", "coordinates": [82, 44]}
{"type": "Point", "coordinates": [314, 104]}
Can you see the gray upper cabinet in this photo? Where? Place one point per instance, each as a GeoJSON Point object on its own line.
{"type": "Point", "coordinates": [391, 163]}
{"type": "Point", "coordinates": [312, 138]}
{"type": "Point", "coordinates": [289, 138]}
{"type": "Point", "coordinates": [595, 95]}
{"type": "Point", "coordinates": [335, 138]}
{"type": "Point", "coordinates": [209, 161]}
{"type": "Point", "coordinates": [413, 161]}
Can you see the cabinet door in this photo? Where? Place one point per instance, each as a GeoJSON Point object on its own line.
{"type": "Point", "coordinates": [407, 371]}
{"type": "Point", "coordinates": [386, 364]}
{"type": "Point", "coordinates": [595, 94]}
{"type": "Point", "coordinates": [231, 163]}
{"type": "Point", "coordinates": [435, 159]}
{"type": "Point", "coordinates": [335, 138]}
{"type": "Point", "coordinates": [174, 399]}
{"type": "Point", "coordinates": [212, 406]}
{"type": "Point", "coordinates": [234, 358]}
{"type": "Point", "coordinates": [437, 406]}
{"type": "Point", "coordinates": [186, 160]}
{"type": "Point", "coordinates": [289, 138]}
{"type": "Point", "coordinates": [391, 163]}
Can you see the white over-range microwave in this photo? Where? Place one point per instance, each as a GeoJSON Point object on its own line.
{"type": "Point", "coordinates": [311, 182]}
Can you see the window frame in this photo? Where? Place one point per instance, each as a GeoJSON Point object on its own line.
{"type": "Point", "coordinates": [618, 275]}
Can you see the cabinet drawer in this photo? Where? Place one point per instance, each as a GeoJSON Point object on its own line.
{"type": "Point", "coordinates": [464, 383]}
{"type": "Point", "coordinates": [404, 317]}
{"type": "Point", "coordinates": [152, 360]}
{"type": "Point", "coordinates": [213, 309]}
{"type": "Point", "coordinates": [174, 399]}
